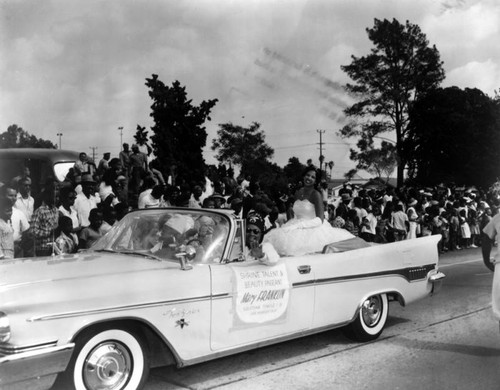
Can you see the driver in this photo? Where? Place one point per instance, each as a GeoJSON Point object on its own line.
{"type": "Point", "coordinates": [255, 250]}
{"type": "Point", "coordinates": [171, 234]}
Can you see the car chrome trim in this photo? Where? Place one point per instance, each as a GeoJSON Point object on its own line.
{"type": "Point", "coordinates": [34, 369]}
{"type": "Point", "coordinates": [437, 281]}
{"type": "Point", "coordinates": [259, 344]}
{"type": "Point", "coordinates": [8, 349]}
{"type": "Point", "coordinates": [125, 307]}
{"type": "Point", "coordinates": [35, 352]}
{"type": "Point", "coordinates": [411, 274]}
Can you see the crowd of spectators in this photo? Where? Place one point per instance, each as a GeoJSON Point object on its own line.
{"type": "Point", "coordinates": [72, 215]}
{"type": "Point", "coordinates": [387, 214]}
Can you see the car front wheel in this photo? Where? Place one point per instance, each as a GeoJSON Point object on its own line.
{"type": "Point", "coordinates": [109, 359]}
{"type": "Point", "coordinates": [370, 319]}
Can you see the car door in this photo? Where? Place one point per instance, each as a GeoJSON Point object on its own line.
{"type": "Point", "coordinates": [252, 302]}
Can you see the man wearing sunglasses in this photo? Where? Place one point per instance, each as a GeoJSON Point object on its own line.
{"type": "Point", "coordinates": [255, 249]}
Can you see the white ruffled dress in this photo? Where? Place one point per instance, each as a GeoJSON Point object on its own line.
{"type": "Point", "coordinates": [305, 233]}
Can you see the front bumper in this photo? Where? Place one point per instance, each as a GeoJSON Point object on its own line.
{"type": "Point", "coordinates": [436, 280]}
{"type": "Point", "coordinates": [35, 369]}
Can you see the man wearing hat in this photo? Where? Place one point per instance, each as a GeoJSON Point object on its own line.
{"type": "Point", "coordinates": [86, 200]}
{"type": "Point", "coordinates": [219, 200]}
{"type": "Point", "coordinates": [346, 189]}
{"type": "Point", "coordinates": [255, 250]}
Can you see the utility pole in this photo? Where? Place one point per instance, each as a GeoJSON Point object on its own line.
{"type": "Point", "coordinates": [59, 135]}
{"type": "Point", "coordinates": [121, 137]}
{"type": "Point", "coordinates": [94, 148]}
{"type": "Point", "coordinates": [321, 157]}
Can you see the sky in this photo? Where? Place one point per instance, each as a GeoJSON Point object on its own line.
{"type": "Point", "coordinates": [79, 67]}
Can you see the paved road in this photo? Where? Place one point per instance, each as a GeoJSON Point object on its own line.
{"type": "Point", "coordinates": [448, 341]}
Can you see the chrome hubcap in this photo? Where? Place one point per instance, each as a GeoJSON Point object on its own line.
{"type": "Point", "coordinates": [371, 311]}
{"type": "Point", "coordinates": [107, 366]}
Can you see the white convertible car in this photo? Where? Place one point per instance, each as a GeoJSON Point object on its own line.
{"type": "Point", "coordinates": [170, 286]}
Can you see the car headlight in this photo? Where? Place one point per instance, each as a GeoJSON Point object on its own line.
{"type": "Point", "coordinates": [4, 327]}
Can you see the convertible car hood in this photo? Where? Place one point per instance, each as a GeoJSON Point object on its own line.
{"type": "Point", "coordinates": [78, 266]}
{"type": "Point", "coordinates": [93, 281]}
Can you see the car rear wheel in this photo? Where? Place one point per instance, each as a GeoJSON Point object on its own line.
{"type": "Point", "coordinates": [370, 320]}
{"type": "Point", "coordinates": [113, 359]}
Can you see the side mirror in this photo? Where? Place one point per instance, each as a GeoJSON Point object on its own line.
{"type": "Point", "coordinates": [186, 254]}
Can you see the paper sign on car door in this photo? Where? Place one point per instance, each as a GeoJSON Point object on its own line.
{"type": "Point", "coordinates": [262, 293]}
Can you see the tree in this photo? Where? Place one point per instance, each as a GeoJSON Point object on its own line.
{"type": "Point", "coordinates": [270, 177]}
{"type": "Point", "coordinates": [400, 68]}
{"type": "Point", "coordinates": [294, 170]}
{"type": "Point", "coordinates": [141, 138]}
{"type": "Point", "coordinates": [350, 174]}
{"type": "Point", "coordinates": [377, 161]}
{"type": "Point", "coordinates": [16, 137]}
{"type": "Point", "coordinates": [241, 146]}
{"type": "Point", "coordinates": [453, 137]}
{"type": "Point", "coordinates": [178, 133]}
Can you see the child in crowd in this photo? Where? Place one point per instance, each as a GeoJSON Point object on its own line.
{"type": "Point", "coordinates": [65, 242]}
{"type": "Point", "coordinates": [90, 234]}
{"type": "Point", "coordinates": [474, 228]}
{"type": "Point", "coordinates": [352, 222]}
{"type": "Point", "coordinates": [445, 231]}
{"type": "Point", "coordinates": [454, 222]}
{"type": "Point", "coordinates": [109, 219]}
{"type": "Point", "coordinates": [464, 229]}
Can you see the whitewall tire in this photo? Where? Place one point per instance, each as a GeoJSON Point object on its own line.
{"type": "Point", "coordinates": [112, 359]}
{"type": "Point", "coordinates": [370, 319]}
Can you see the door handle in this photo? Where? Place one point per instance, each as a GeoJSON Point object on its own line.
{"type": "Point", "coordinates": [304, 269]}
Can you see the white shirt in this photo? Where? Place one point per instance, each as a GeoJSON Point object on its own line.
{"type": "Point", "coordinates": [372, 224]}
{"type": "Point", "coordinates": [105, 191]}
{"type": "Point", "coordinates": [26, 205]}
{"type": "Point", "coordinates": [193, 203]}
{"type": "Point", "coordinates": [142, 195]}
{"type": "Point", "coordinates": [83, 205]}
{"type": "Point", "coordinates": [271, 257]}
{"type": "Point", "coordinates": [148, 201]}
{"type": "Point", "coordinates": [19, 223]}
{"type": "Point", "coordinates": [71, 214]}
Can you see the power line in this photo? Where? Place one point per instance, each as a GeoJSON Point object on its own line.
{"type": "Point", "coordinates": [294, 146]}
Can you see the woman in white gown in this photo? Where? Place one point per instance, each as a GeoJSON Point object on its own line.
{"type": "Point", "coordinates": [308, 231]}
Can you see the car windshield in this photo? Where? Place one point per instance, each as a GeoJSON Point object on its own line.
{"type": "Point", "coordinates": [164, 233]}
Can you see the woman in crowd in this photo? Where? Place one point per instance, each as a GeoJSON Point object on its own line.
{"type": "Point", "coordinates": [412, 219]}
{"type": "Point", "coordinates": [308, 231]}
